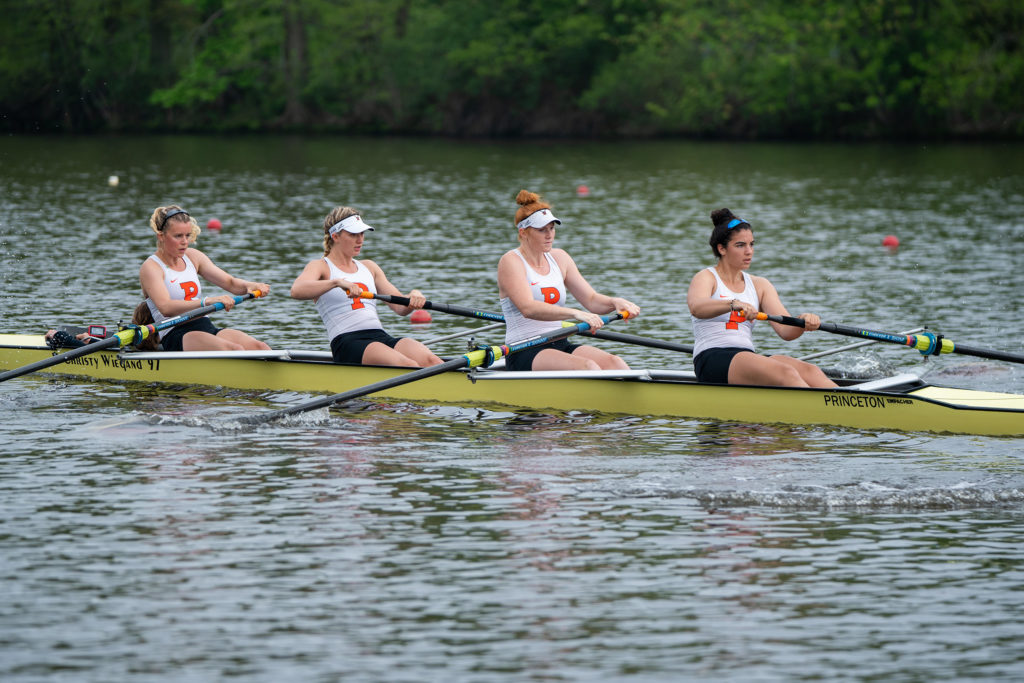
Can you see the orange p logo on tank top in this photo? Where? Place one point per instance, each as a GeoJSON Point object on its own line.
{"type": "Point", "coordinates": [358, 303]}
{"type": "Point", "coordinates": [550, 294]}
{"type": "Point", "coordinates": [190, 289]}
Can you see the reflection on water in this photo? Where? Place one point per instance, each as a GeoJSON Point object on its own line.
{"type": "Point", "coordinates": [401, 541]}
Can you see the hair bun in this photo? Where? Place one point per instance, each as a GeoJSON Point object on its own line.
{"type": "Point", "coordinates": [720, 216]}
{"type": "Point", "coordinates": [525, 197]}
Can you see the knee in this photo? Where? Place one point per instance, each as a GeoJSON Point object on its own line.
{"type": "Point", "coordinates": [791, 377]}
{"type": "Point", "coordinates": [616, 363]}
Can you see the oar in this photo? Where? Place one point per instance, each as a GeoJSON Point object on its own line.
{"type": "Point", "coordinates": [444, 308]}
{"type": "Point", "coordinates": [133, 334]}
{"type": "Point", "coordinates": [472, 313]}
{"type": "Point", "coordinates": [850, 347]}
{"type": "Point", "coordinates": [484, 357]}
{"type": "Point", "coordinates": [927, 343]}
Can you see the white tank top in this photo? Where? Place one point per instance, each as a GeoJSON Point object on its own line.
{"type": "Point", "coordinates": [729, 329]}
{"type": "Point", "coordinates": [181, 285]}
{"type": "Point", "coordinates": [340, 312]}
{"type": "Point", "coordinates": [548, 288]}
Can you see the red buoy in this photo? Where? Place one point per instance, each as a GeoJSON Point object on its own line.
{"type": "Point", "coordinates": [213, 224]}
{"type": "Point", "coordinates": [582, 191]}
{"type": "Point", "coordinates": [420, 316]}
{"type": "Point", "coordinates": [890, 241]}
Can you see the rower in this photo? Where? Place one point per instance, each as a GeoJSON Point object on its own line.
{"type": "Point", "coordinates": [724, 301]}
{"type": "Point", "coordinates": [171, 287]}
{"type": "Point", "coordinates": [335, 283]}
{"type": "Point", "coordinates": [532, 283]}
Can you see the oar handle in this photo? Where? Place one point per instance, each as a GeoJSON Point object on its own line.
{"type": "Point", "coordinates": [784, 319]}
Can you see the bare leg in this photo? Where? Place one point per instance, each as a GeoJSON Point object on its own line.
{"type": "Point", "coordinates": [242, 339]}
{"type": "Point", "coordinates": [552, 359]}
{"type": "Point", "coordinates": [410, 348]}
{"type": "Point", "coordinates": [377, 353]}
{"type": "Point", "coordinates": [604, 360]}
{"type": "Point", "coordinates": [809, 372]}
{"type": "Point", "coordinates": [752, 368]}
{"type": "Point", "coordinates": [204, 341]}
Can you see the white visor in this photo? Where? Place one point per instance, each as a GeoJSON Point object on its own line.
{"type": "Point", "coordinates": [538, 219]}
{"type": "Point", "coordinates": [353, 224]}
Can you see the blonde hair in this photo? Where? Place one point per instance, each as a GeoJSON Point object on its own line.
{"type": "Point", "coordinates": [339, 213]}
{"type": "Point", "coordinates": [529, 202]}
{"type": "Point", "coordinates": [158, 221]}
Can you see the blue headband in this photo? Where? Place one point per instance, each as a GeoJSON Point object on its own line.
{"type": "Point", "coordinates": [734, 222]}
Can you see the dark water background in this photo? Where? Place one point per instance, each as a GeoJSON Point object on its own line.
{"type": "Point", "coordinates": [401, 542]}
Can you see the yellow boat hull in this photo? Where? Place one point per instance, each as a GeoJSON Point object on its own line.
{"type": "Point", "coordinates": [908, 408]}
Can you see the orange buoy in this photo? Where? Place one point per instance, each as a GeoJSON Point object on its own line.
{"type": "Point", "coordinates": [420, 316]}
{"type": "Point", "coordinates": [582, 191]}
{"type": "Point", "coordinates": [213, 224]}
{"type": "Point", "coordinates": [890, 241]}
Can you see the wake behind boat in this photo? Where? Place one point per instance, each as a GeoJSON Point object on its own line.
{"type": "Point", "coordinates": [901, 402]}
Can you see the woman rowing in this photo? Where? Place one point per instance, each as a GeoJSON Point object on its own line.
{"type": "Point", "coordinates": [335, 283]}
{"type": "Point", "coordinates": [724, 301]}
{"type": "Point", "coordinates": [171, 287]}
{"type": "Point", "coordinates": [532, 283]}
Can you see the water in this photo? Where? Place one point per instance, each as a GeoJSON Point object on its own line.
{"type": "Point", "coordinates": [389, 541]}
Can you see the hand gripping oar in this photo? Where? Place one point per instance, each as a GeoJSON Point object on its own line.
{"type": "Point", "coordinates": [471, 313]}
{"type": "Point", "coordinates": [927, 343]}
{"type": "Point", "coordinates": [133, 334]}
{"type": "Point", "coordinates": [479, 357]}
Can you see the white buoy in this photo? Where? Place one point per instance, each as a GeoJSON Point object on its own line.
{"type": "Point", "coordinates": [113, 181]}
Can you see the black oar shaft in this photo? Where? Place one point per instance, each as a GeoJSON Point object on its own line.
{"type": "Point", "coordinates": [398, 380]}
{"type": "Point", "coordinates": [444, 308]}
{"type": "Point", "coordinates": [928, 344]}
{"type": "Point", "coordinates": [640, 341]}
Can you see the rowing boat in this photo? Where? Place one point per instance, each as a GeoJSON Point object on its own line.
{"type": "Point", "coordinates": [902, 402]}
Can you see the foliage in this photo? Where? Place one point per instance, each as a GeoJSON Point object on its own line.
{"type": "Point", "coordinates": [725, 68]}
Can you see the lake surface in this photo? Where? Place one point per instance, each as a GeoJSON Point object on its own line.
{"type": "Point", "coordinates": [386, 541]}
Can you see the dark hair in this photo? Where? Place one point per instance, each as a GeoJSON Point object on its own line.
{"type": "Point", "coordinates": [143, 316]}
{"type": "Point", "coordinates": [721, 233]}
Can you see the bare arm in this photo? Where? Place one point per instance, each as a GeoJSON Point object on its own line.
{"type": "Point", "coordinates": [772, 305]}
{"type": "Point", "coordinates": [384, 286]}
{"type": "Point", "coordinates": [588, 297]}
{"type": "Point", "coordinates": [699, 300]}
{"type": "Point", "coordinates": [315, 280]}
{"type": "Point", "coordinates": [206, 268]}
